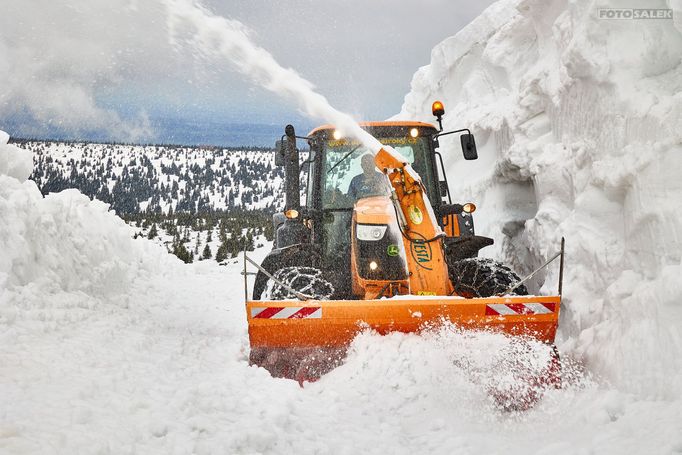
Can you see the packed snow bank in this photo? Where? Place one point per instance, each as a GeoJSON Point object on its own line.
{"type": "Point", "coordinates": [61, 245]}
{"type": "Point", "coordinates": [579, 126]}
{"type": "Point", "coordinates": [14, 161]}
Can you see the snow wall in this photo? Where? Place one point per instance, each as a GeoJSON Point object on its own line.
{"type": "Point", "coordinates": [578, 122]}
{"type": "Point", "coordinates": [63, 246]}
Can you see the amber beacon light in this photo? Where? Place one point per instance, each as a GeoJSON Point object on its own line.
{"type": "Point", "coordinates": [438, 110]}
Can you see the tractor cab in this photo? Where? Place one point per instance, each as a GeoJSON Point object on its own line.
{"type": "Point", "coordinates": [340, 172]}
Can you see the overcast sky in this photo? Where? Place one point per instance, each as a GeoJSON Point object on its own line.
{"type": "Point", "coordinates": [89, 68]}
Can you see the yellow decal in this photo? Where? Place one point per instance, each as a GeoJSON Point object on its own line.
{"type": "Point", "coordinates": [425, 293]}
{"type": "Point", "coordinates": [397, 140]}
{"type": "Point", "coordinates": [341, 143]}
{"type": "Point", "coordinates": [383, 140]}
{"type": "Point", "coordinates": [416, 214]}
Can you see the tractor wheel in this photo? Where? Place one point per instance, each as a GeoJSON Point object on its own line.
{"type": "Point", "coordinates": [483, 277]}
{"type": "Point", "coordinates": [306, 280]}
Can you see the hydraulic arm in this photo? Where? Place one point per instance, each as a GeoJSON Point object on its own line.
{"type": "Point", "coordinates": [422, 236]}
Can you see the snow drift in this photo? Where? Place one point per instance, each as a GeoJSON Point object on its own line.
{"type": "Point", "coordinates": [579, 127]}
{"type": "Point", "coordinates": [61, 243]}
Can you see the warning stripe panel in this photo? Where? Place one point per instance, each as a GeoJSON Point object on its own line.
{"type": "Point", "coordinates": [498, 309]}
{"type": "Point", "coordinates": [306, 312]}
{"type": "Point", "coordinates": [286, 312]}
{"type": "Point", "coordinates": [507, 309]}
{"type": "Point", "coordinates": [264, 313]}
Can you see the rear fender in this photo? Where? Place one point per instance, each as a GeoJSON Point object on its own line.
{"type": "Point", "coordinates": [458, 248]}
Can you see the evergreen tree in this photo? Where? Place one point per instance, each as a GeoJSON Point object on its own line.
{"type": "Point", "coordinates": [153, 232]}
{"type": "Point", "coordinates": [222, 252]}
{"type": "Point", "coordinates": [207, 253]}
{"type": "Point", "coordinates": [182, 253]}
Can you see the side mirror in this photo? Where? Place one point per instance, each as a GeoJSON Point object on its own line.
{"type": "Point", "coordinates": [450, 209]}
{"type": "Point", "coordinates": [443, 187]}
{"type": "Point", "coordinates": [456, 209]}
{"type": "Point", "coordinates": [279, 153]}
{"type": "Point", "coordinates": [468, 146]}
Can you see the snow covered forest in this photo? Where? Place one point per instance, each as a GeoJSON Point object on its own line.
{"type": "Point", "coordinates": [161, 179]}
{"type": "Point", "coordinates": [108, 344]}
{"type": "Point", "coordinates": [200, 203]}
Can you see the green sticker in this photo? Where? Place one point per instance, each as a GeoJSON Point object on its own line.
{"type": "Point", "coordinates": [393, 250]}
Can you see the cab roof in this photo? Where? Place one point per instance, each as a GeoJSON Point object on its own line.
{"type": "Point", "coordinates": [391, 123]}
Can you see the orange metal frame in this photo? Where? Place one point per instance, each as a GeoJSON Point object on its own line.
{"type": "Point", "coordinates": [341, 320]}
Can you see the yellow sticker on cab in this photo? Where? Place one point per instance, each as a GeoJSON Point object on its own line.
{"type": "Point", "coordinates": [415, 214]}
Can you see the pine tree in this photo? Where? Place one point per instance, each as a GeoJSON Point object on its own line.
{"type": "Point", "coordinates": [153, 232]}
{"type": "Point", "coordinates": [222, 252]}
{"type": "Point", "coordinates": [182, 253]}
{"type": "Point", "coordinates": [207, 253]}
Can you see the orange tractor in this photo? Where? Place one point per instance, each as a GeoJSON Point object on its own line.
{"type": "Point", "coordinates": [378, 244]}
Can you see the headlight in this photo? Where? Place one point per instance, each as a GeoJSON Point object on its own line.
{"type": "Point", "coordinates": [370, 231]}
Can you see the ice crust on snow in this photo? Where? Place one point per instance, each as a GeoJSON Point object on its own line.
{"type": "Point", "coordinates": [578, 123]}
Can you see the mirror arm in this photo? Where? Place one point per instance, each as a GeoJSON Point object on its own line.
{"type": "Point", "coordinates": [451, 209]}
{"type": "Point", "coordinates": [436, 136]}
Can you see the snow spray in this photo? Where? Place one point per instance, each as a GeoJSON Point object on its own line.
{"type": "Point", "coordinates": [215, 37]}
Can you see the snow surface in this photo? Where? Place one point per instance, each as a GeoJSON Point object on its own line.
{"type": "Point", "coordinates": [109, 345]}
{"type": "Point", "coordinates": [13, 160]}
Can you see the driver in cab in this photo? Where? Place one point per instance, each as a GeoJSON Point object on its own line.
{"type": "Point", "coordinates": [370, 183]}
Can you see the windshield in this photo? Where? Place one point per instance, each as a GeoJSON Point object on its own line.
{"type": "Point", "coordinates": [350, 173]}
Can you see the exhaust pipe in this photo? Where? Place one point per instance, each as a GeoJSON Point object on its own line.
{"type": "Point", "coordinates": [292, 172]}
{"type": "Point", "coordinates": [292, 231]}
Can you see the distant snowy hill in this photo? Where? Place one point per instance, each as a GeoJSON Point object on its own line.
{"type": "Point", "coordinates": [135, 179]}
{"type": "Point", "coordinates": [198, 202]}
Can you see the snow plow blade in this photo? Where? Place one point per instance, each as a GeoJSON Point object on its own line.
{"type": "Point", "coordinates": [305, 339]}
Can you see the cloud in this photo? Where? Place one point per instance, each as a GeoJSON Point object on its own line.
{"type": "Point", "coordinates": [107, 66]}
{"type": "Point", "coordinates": [54, 58]}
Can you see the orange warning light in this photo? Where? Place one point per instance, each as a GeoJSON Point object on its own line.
{"type": "Point", "coordinates": [437, 109]}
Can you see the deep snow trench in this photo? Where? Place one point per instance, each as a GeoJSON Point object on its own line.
{"type": "Point", "coordinates": [109, 345]}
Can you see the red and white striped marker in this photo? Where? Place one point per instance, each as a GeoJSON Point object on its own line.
{"type": "Point", "coordinates": [506, 309]}
{"type": "Point", "coordinates": [287, 312]}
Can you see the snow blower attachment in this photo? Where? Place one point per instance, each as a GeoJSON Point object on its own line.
{"type": "Point", "coordinates": [378, 245]}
